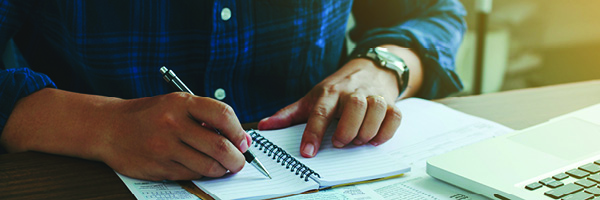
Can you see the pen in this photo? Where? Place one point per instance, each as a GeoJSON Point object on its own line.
{"type": "Point", "coordinates": [172, 79]}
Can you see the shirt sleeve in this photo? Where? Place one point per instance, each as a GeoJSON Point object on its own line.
{"type": "Point", "coordinates": [15, 83]}
{"type": "Point", "coordinates": [432, 28]}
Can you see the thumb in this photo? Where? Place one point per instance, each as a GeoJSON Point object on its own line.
{"type": "Point", "coordinates": [290, 115]}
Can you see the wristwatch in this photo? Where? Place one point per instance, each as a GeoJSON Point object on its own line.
{"type": "Point", "coordinates": [385, 59]}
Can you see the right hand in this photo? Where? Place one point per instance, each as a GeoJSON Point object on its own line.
{"type": "Point", "coordinates": [166, 137]}
{"type": "Point", "coordinates": [172, 137]}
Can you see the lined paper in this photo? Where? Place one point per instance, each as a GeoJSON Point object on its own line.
{"type": "Point", "coordinates": [338, 166]}
{"type": "Point", "coordinates": [250, 183]}
{"type": "Point", "coordinates": [335, 166]}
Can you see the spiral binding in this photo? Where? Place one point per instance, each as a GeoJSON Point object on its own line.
{"type": "Point", "coordinates": [281, 156]}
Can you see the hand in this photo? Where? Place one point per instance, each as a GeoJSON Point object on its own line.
{"type": "Point", "coordinates": [155, 138]}
{"type": "Point", "coordinates": [164, 137]}
{"type": "Point", "coordinates": [360, 94]}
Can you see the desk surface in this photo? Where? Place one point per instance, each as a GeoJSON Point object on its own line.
{"type": "Point", "coordinates": [33, 175]}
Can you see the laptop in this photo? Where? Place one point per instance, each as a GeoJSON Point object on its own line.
{"type": "Point", "coordinates": [558, 159]}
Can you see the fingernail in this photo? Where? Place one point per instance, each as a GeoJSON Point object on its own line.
{"type": "Point", "coordinates": [244, 145]}
{"type": "Point", "coordinates": [337, 144]}
{"type": "Point", "coordinates": [309, 149]}
{"type": "Point", "coordinates": [374, 143]}
{"type": "Point", "coordinates": [358, 142]}
{"type": "Point", "coordinates": [249, 139]}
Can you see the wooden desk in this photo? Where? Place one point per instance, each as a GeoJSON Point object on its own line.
{"type": "Point", "coordinates": [33, 175]}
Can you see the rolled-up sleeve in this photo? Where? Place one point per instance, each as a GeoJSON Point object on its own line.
{"type": "Point", "coordinates": [15, 83]}
{"type": "Point", "coordinates": [432, 28]}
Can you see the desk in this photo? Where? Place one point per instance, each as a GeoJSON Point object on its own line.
{"type": "Point", "coordinates": [33, 175]}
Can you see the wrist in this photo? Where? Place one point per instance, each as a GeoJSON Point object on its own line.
{"type": "Point", "coordinates": [413, 62]}
{"type": "Point", "coordinates": [385, 81]}
{"type": "Point", "coordinates": [382, 58]}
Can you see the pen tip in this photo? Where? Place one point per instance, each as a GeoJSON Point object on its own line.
{"type": "Point", "coordinates": [256, 163]}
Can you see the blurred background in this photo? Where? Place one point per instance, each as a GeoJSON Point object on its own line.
{"type": "Point", "coordinates": [532, 43]}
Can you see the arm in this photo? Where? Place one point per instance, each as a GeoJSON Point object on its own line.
{"type": "Point", "coordinates": [155, 138]}
{"type": "Point", "coordinates": [425, 34]}
{"type": "Point", "coordinates": [15, 83]}
{"type": "Point", "coordinates": [152, 138]}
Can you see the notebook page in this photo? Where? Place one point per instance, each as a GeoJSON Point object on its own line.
{"type": "Point", "coordinates": [338, 166]}
{"type": "Point", "coordinates": [251, 184]}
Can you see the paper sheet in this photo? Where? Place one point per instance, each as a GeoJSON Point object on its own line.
{"type": "Point", "coordinates": [335, 166]}
{"type": "Point", "coordinates": [427, 129]}
{"type": "Point", "coordinates": [250, 182]}
{"type": "Point", "coordinates": [338, 165]}
{"type": "Point", "coordinates": [156, 190]}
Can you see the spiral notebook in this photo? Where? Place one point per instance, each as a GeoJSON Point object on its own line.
{"type": "Point", "coordinates": [279, 151]}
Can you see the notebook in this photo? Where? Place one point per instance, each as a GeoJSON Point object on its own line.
{"type": "Point", "coordinates": [557, 159]}
{"type": "Point", "coordinates": [279, 151]}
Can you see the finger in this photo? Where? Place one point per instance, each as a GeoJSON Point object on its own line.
{"type": "Point", "coordinates": [389, 126]}
{"type": "Point", "coordinates": [214, 146]}
{"type": "Point", "coordinates": [199, 162]}
{"type": "Point", "coordinates": [376, 111]}
{"type": "Point", "coordinates": [149, 170]}
{"type": "Point", "coordinates": [220, 116]}
{"type": "Point", "coordinates": [178, 171]}
{"type": "Point", "coordinates": [290, 115]}
{"type": "Point", "coordinates": [165, 170]}
{"type": "Point", "coordinates": [353, 114]}
{"type": "Point", "coordinates": [318, 121]}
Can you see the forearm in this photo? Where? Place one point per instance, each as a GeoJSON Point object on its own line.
{"type": "Point", "coordinates": [59, 122]}
{"type": "Point", "coordinates": [154, 138]}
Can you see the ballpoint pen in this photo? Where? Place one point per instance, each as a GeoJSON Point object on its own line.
{"type": "Point", "coordinates": [172, 79]}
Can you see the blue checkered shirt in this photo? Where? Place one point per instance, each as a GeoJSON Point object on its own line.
{"type": "Point", "coordinates": [268, 54]}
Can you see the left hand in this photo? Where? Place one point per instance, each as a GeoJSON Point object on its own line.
{"type": "Point", "coordinates": [360, 94]}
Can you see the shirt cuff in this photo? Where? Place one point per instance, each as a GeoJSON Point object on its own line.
{"type": "Point", "coordinates": [16, 84]}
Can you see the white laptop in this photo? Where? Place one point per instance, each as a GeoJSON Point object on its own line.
{"type": "Point", "coordinates": [558, 159]}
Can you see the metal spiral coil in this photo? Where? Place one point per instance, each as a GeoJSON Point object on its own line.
{"type": "Point", "coordinates": [281, 156]}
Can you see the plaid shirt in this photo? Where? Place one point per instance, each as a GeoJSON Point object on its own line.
{"type": "Point", "coordinates": [268, 54]}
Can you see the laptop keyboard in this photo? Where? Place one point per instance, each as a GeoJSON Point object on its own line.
{"type": "Point", "coordinates": [580, 183]}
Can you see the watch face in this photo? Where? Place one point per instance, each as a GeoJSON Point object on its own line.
{"type": "Point", "coordinates": [392, 61]}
